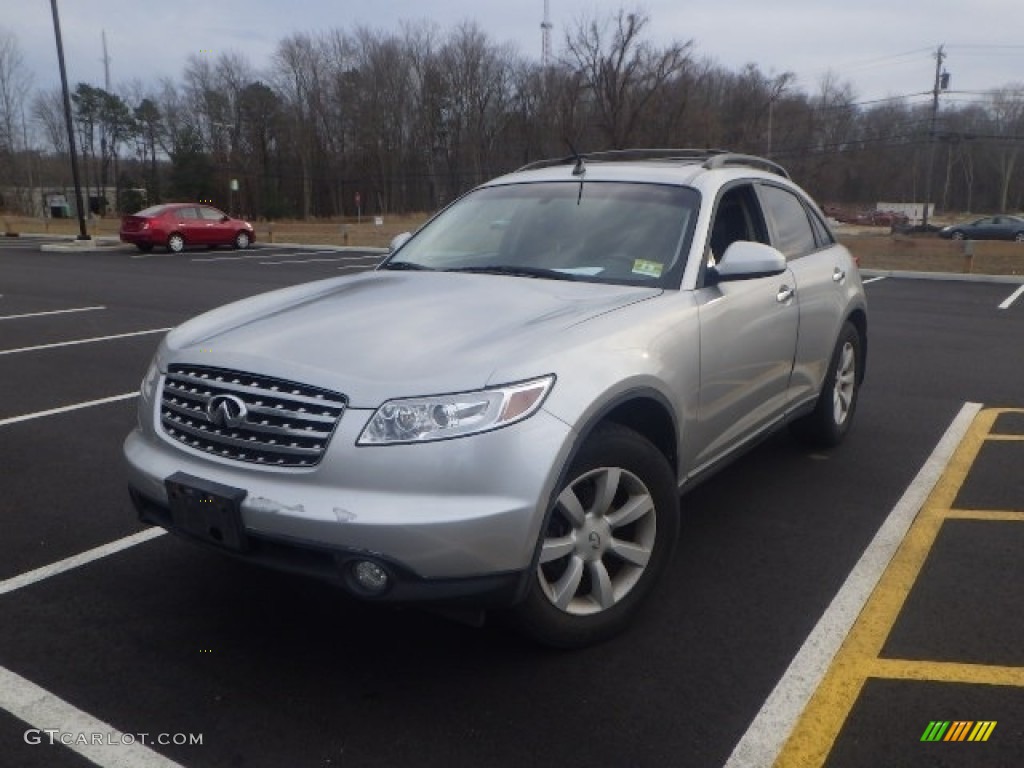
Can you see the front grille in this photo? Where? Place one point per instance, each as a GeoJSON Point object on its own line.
{"type": "Point", "coordinates": [254, 418]}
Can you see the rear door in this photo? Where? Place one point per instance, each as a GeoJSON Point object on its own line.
{"type": "Point", "coordinates": [821, 269]}
{"type": "Point", "coordinates": [190, 225]}
{"type": "Point", "coordinates": [1003, 228]}
{"type": "Point", "coordinates": [217, 231]}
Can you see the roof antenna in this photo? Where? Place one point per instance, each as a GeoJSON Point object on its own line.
{"type": "Point", "coordinates": [580, 169]}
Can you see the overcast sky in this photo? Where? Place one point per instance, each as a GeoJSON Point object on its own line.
{"type": "Point", "coordinates": [881, 47]}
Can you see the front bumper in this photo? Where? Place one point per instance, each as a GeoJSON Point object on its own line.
{"type": "Point", "coordinates": [449, 519]}
{"type": "Point", "coordinates": [335, 565]}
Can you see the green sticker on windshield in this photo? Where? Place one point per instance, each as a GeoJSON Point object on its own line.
{"type": "Point", "coordinates": [647, 268]}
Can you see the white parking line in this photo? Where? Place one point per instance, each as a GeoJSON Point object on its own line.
{"type": "Point", "coordinates": [66, 409]}
{"type": "Point", "coordinates": [284, 254]}
{"type": "Point", "coordinates": [873, 279]}
{"type": "Point", "coordinates": [290, 255]}
{"type": "Point", "coordinates": [770, 729]}
{"type": "Point", "coordinates": [300, 261]}
{"type": "Point", "coordinates": [47, 713]}
{"type": "Point", "coordinates": [82, 341]}
{"type": "Point", "coordinates": [76, 561]}
{"type": "Point", "coordinates": [51, 312]}
{"type": "Point", "coordinates": [1012, 298]}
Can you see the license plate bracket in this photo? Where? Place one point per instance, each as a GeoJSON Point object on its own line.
{"type": "Point", "coordinates": [207, 510]}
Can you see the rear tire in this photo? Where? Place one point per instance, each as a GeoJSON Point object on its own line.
{"type": "Point", "coordinates": [605, 543]}
{"type": "Point", "coordinates": [176, 243]}
{"type": "Point", "coordinates": [828, 423]}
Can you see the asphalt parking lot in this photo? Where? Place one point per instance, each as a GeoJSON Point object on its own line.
{"type": "Point", "coordinates": [203, 661]}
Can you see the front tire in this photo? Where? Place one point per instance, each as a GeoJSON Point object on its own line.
{"type": "Point", "coordinates": [242, 241]}
{"type": "Point", "coordinates": [828, 423]}
{"type": "Point", "coordinates": [606, 541]}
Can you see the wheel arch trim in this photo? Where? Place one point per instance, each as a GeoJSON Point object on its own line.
{"type": "Point", "coordinates": [644, 397]}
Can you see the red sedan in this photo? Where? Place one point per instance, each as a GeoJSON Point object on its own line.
{"type": "Point", "coordinates": [177, 225]}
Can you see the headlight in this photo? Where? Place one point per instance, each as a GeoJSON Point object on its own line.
{"type": "Point", "coordinates": [421, 419]}
{"type": "Point", "coordinates": [149, 380]}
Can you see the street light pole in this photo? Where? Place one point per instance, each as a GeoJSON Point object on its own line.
{"type": "Point", "coordinates": [82, 235]}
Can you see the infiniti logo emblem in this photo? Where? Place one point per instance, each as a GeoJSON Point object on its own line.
{"type": "Point", "coordinates": [226, 411]}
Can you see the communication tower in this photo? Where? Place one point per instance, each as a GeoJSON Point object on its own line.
{"type": "Point", "coordinates": [545, 35]}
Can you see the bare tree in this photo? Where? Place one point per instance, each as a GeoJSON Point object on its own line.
{"type": "Point", "coordinates": [1007, 113]}
{"type": "Point", "coordinates": [15, 83]}
{"type": "Point", "coordinates": [300, 74]}
{"type": "Point", "coordinates": [623, 71]}
{"type": "Point", "coordinates": [48, 113]}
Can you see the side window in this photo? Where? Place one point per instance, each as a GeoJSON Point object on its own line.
{"type": "Point", "coordinates": [187, 213]}
{"type": "Point", "coordinates": [209, 214]}
{"type": "Point", "coordinates": [737, 217]}
{"type": "Point", "coordinates": [793, 233]}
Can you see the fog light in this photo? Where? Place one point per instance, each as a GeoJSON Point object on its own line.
{"type": "Point", "coordinates": [370, 576]}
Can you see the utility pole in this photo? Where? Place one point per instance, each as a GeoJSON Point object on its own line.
{"type": "Point", "coordinates": [939, 81]}
{"type": "Point", "coordinates": [82, 235]}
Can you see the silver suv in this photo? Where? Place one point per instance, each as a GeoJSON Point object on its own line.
{"type": "Point", "coordinates": [504, 413]}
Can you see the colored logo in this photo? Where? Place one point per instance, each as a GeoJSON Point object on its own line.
{"type": "Point", "coordinates": [958, 730]}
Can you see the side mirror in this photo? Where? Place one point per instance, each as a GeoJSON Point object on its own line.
{"type": "Point", "coordinates": [398, 241]}
{"type": "Point", "coordinates": [745, 260]}
{"type": "Point", "coordinates": [225, 219]}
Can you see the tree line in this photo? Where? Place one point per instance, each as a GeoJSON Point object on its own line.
{"type": "Point", "coordinates": [406, 120]}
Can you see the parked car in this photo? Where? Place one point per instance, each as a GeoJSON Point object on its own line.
{"type": "Point", "coordinates": [988, 228]}
{"type": "Point", "coordinates": [504, 413]}
{"type": "Point", "coordinates": [883, 218]}
{"type": "Point", "coordinates": [179, 225]}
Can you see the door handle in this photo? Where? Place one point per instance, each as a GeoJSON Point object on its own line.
{"type": "Point", "coordinates": [785, 294]}
{"type": "Point", "coordinates": [839, 275]}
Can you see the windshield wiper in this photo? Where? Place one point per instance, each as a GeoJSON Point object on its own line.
{"type": "Point", "coordinates": [514, 271]}
{"type": "Point", "coordinates": [410, 265]}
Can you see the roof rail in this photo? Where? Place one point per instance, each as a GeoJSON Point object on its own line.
{"type": "Point", "coordinates": [690, 155]}
{"type": "Point", "coordinates": [732, 158]}
{"type": "Point", "coordinates": [712, 158]}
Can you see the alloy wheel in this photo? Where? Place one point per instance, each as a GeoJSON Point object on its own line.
{"type": "Point", "coordinates": [599, 541]}
{"type": "Point", "coordinates": [846, 381]}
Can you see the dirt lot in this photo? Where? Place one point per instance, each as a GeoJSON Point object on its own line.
{"type": "Point", "coordinates": [880, 250]}
{"type": "Point", "coordinates": [874, 246]}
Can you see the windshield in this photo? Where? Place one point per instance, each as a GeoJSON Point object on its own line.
{"type": "Point", "coordinates": [599, 231]}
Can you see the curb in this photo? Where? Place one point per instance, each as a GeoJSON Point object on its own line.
{"type": "Point", "coordinates": [944, 276]}
{"type": "Point", "coordinates": [84, 246]}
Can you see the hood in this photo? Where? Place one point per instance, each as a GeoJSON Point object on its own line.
{"type": "Point", "coordinates": [382, 335]}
